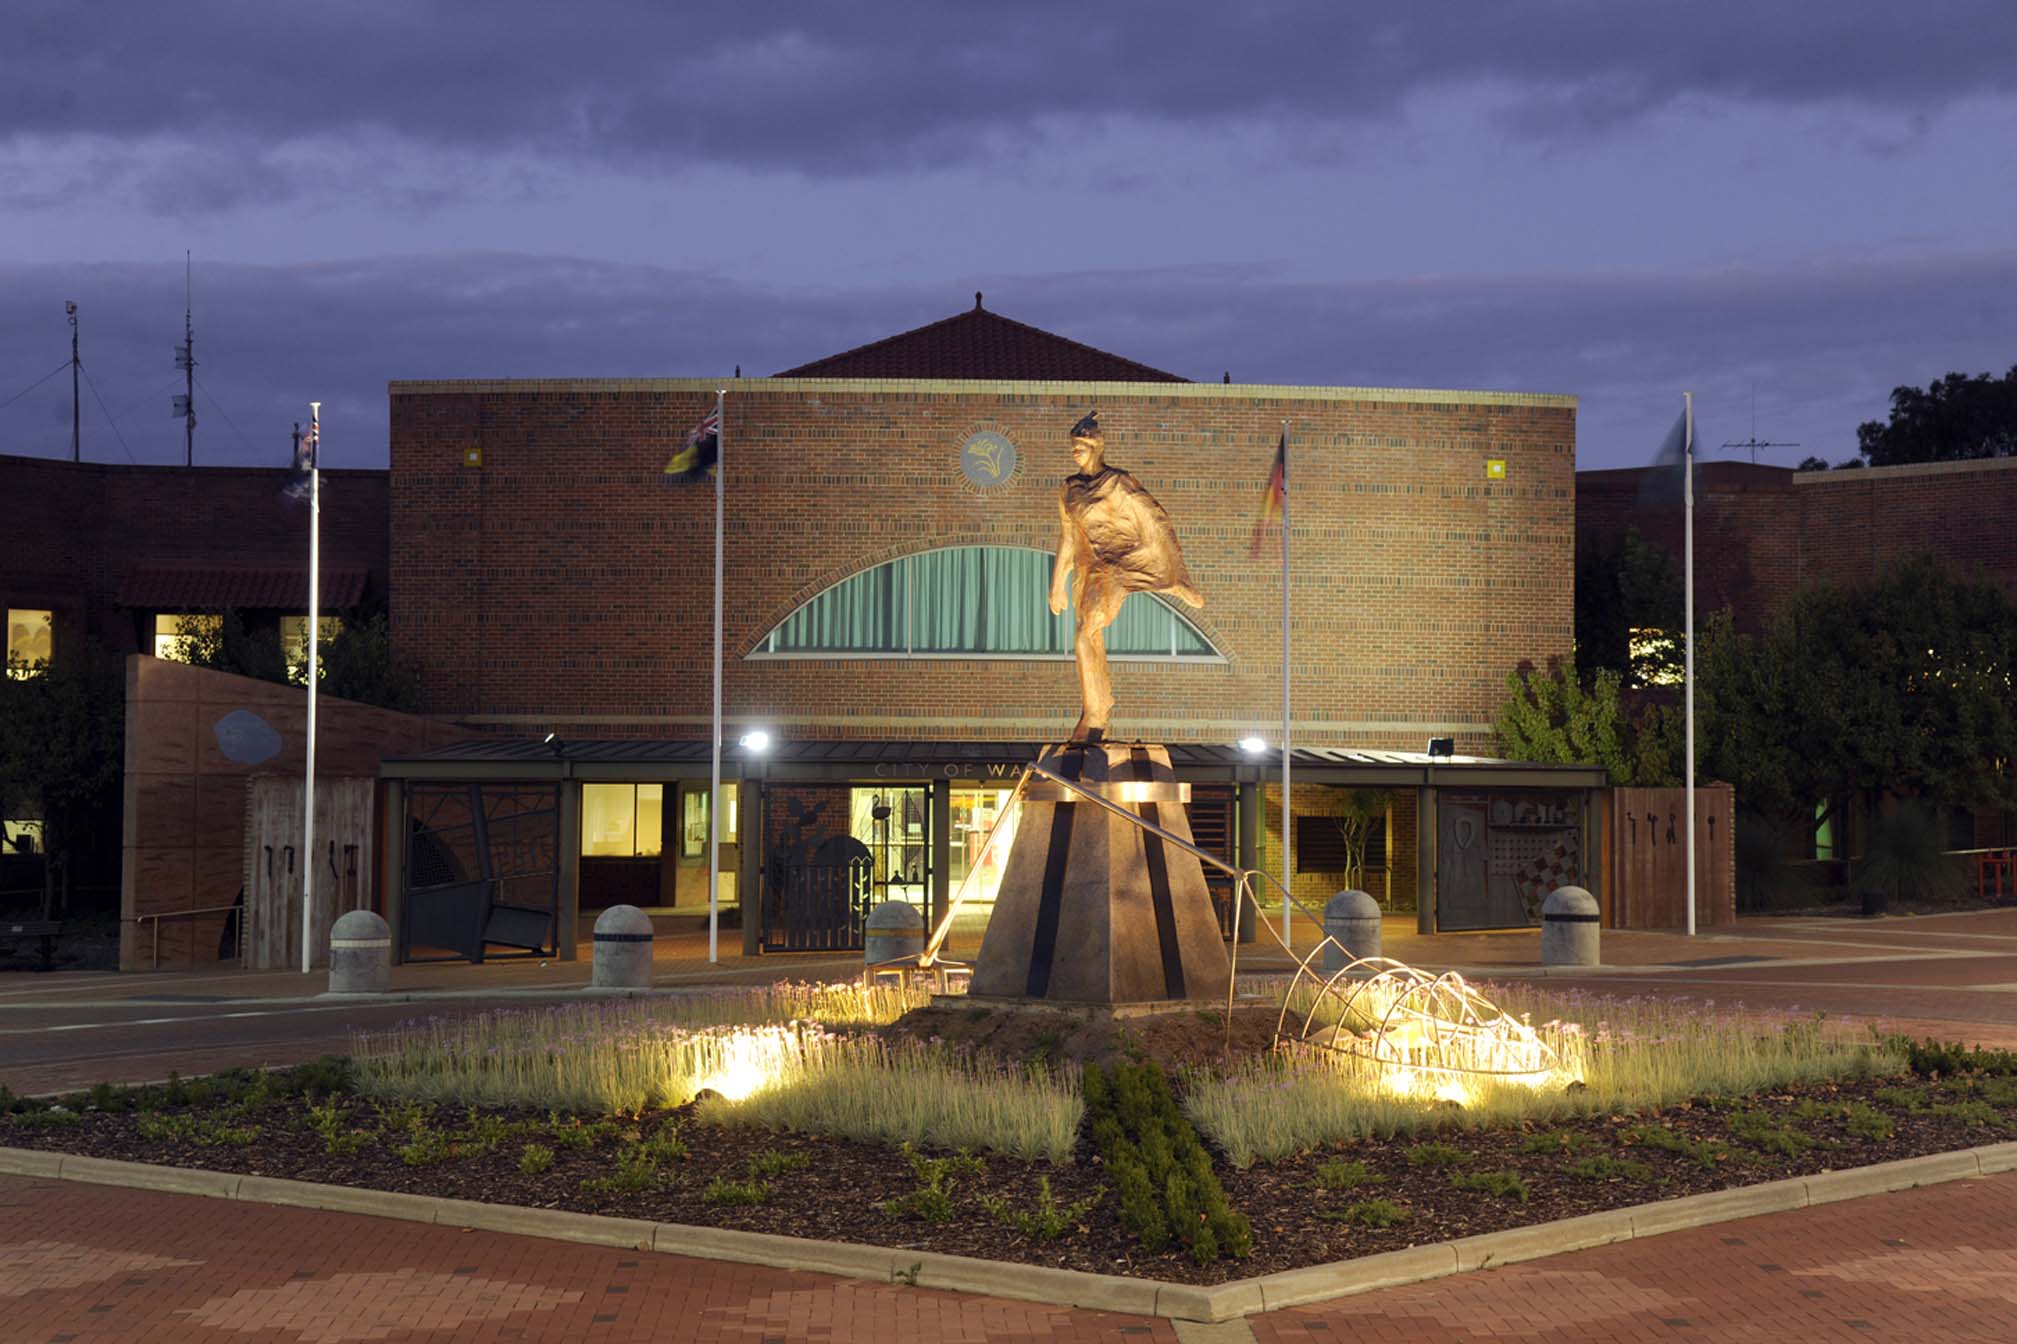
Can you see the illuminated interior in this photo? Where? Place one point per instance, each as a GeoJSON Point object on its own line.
{"type": "Point", "coordinates": [294, 638]}
{"type": "Point", "coordinates": [170, 630]}
{"type": "Point", "coordinates": [30, 640]}
{"type": "Point", "coordinates": [622, 821]}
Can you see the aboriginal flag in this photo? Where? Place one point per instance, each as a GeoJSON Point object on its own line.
{"type": "Point", "coordinates": [696, 458]}
{"type": "Point", "coordinates": [1274, 500]}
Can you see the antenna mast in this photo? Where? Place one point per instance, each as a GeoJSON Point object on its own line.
{"type": "Point", "coordinates": [185, 360]}
{"type": "Point", "coordinates": [1754, 443]}
{"type": "Point", "coordinates": [76, 436]}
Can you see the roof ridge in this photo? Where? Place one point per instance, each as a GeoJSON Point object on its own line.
{"type": "Point", "coordinates": [930, 344]}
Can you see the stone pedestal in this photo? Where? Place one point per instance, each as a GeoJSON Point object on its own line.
{"type": "Point", "coordinates": [1094, 910]}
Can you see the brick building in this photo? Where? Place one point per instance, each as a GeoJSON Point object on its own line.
{"type": "Point", "coordinates": [891, 514]}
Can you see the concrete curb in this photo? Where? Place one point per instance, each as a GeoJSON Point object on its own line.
{"type": "Point", "coordinates": [1037, 1283]}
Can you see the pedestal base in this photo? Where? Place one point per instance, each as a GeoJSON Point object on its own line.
{"type": "Point", "coordinates": [1093, 909]}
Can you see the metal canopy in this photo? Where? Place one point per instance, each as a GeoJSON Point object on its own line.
{"type": "Point", "coordinates": [647, 759]}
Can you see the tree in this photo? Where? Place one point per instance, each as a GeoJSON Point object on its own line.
{"type": "Point", "coordinates": [62, 740]}
{"type": "Point", "coordinates": [1626, 585]}
{"type": "Point", "coordinates": [1553, 717]}
{"type": "Point", "coordinates": [359, 663]}
{"type": "Point", "coordinates": [1951, 420]}
{"type": "Point", "coordinates": [1358, 810]}
{"type": "Point", "coordinates": [1903, 687]}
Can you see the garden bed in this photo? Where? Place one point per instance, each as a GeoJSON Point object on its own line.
{"type": "Point", "coordinates": [1452, 1172]}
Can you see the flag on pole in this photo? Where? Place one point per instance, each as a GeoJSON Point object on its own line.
{"type": "Point", "coordinates": [696, 458]}
{"type": "Point", "coordinates": [1274, 498]}
{"type": "Point", "coordinates": [300, 480]}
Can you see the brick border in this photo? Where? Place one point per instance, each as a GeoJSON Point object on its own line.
{"type": "Point", "coordinates": [1034, 1283]}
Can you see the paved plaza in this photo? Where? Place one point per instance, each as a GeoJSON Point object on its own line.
{"type": "Point", "coordinates": [89, 1263]}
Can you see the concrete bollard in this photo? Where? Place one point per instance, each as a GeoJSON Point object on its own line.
{"type": "Point", "coordinates": [1569, 928]}
{"type": "Point", "coordinates": [1353, 918]}
{"type": "Point", "coordinates": [622, 949]}
{"type": "Point", "coordinates": [360, 954]}
{"type": "Point", "coordinates": [893, 929]}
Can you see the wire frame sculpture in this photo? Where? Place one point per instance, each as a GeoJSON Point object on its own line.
{"type": "Point", "coordinates": [1426, 1033]}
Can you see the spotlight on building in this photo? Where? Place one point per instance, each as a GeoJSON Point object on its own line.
{"type": "Point", "coordinates": [553, 744]}
{"type": "Point", "coordinates": [1443, 746]}
{"type": "Point", "coordinates": [756, 741]}
{"type": "Point", "coordinates": [1253, 746]}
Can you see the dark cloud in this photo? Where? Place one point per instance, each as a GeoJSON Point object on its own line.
{"type": "Point", "coordinates": [1822, 343]}
{"type": "Point", "coordinates": [822, 88]}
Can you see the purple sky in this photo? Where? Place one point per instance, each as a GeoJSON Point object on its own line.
{"type": "Point", "coordinates": [1802, 204]}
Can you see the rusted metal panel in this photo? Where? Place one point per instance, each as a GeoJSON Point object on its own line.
{"type": "Point", "coordinates": [1649, 866]}
{"type": "Point", "coordinates": [346, 858]}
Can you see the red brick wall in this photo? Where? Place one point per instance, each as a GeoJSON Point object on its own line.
{"type": "Point", "coordinates": [1761, 533]}
{"type": "Point", "coordinates": [73, 530]}
{"type": "Point", "coordinates": [562, 583]}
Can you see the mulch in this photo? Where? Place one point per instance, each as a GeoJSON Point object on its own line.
{"type": "Point", "coordinates": [839, 1193]}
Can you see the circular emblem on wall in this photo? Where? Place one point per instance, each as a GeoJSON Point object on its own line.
{"type": "Point", "coordinates": [987, 459]}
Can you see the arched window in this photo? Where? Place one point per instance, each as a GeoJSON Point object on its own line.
{"type": "Point", "coordinates": [965, 602]}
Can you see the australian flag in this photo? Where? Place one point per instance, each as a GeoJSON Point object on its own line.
{"type": "Point", "coordinates": [301, 481]}
{"type": "Point", "coordinates": [697, 457]}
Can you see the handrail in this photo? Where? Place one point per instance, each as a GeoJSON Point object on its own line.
{"type": "Point", "coordinates": [160, 915]}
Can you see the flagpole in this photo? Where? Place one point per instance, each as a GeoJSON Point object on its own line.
{"type": "Point", "coordinates": [1288, 905]}
{"type": "Point", "coordinates": [714, 785]}
{"type": "Point", "coordinates": [314, 605]}
{"type": "Point", "coordinates": [1688, 671]}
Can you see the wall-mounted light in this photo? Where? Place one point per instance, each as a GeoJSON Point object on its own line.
{"type": "Point", "coordinates": [756, 741]}
{"type": "Point", "coordinates": [553, 744]}
{"type": "Point", "coordinates": [1443, 746]}
{"type": "Point", "coordinates": [1253, 746]}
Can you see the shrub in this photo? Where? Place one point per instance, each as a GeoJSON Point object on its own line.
{"type": "Point", "coordinates": [932, 1200]}
{"type": "Point", "coordinates": [721, 1192]}
{"type": "Point", "coordinates": [771, 1163]}
{"type": "Point", "coordinates": [1937, 1059]}
{"type": "Point", "coordinates": [1867, 1122]}
{"type": "Point", "coordinates": [1557, 1141]}
{"type": "Point", "coordinates": [1048, 1220]}
{"type": "Point", "coordinates": [1763, 1132]}
{"type": "Point", "coordinates": [1707, 1153]}
{"type": "Point", "coordinates": [1371, 1213]}
{"type": "Point", "coordinates": [1972, 1113]}
{"type": "Point", "coordinates": [1502, 1184]}
{"type": "Point", "coordinates": [1158, 1166]}
{"type": "Point", "coordinates": [1436, 1155]}
{"type": "Point", "coordinates": [1604, 1167]}
{"type": "Point", "coordinates": [1341, 1175]}
{"type": "Point", "coordinates": [535, 1159]}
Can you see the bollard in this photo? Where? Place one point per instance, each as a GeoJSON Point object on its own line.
{"type": "Point", "coordinates": [893, 929]}
{"type": "Point", "coordinates": [1569, 928]}
{"type": "Point", "coordinates": [360, 954]}
{"type": "Point", "coordinates": [1353, 918]}
{"type": "Point", "coordinates": [622, 949]}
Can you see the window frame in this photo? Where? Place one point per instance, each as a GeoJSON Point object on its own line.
{"type": "Point", "coordinates": [1212, 656]}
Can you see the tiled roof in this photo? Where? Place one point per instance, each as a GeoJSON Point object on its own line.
{"type": "Point", "coordinates": [981, 345]}
{"type": "Point", "coordinates": [218, 585]}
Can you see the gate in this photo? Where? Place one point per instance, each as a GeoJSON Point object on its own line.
{"type": "Point", "coordinates": [1648, 887]}
{"type": "Point", "coordinates": [482, 869]}
{"type": "Point", "coordinates": [817, 907]}
{"type": "Point", "coordinates": [272, 874]}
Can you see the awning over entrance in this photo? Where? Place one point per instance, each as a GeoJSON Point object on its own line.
{"type": "Point", "coordinates": [211, 585]}
{"type": "Point", "coordinates": [854, 758]}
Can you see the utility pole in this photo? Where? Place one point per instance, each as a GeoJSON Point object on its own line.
{"type": "Point", "coordinates": [76, 436]}
{"type": "Point", "coordinates": [185, 360]}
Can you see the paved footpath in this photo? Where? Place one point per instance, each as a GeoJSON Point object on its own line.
{"type": "Point", "coordinates": [83, 1264]}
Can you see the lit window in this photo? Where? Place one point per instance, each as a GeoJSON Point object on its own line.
{"type": "Point", "coordinates": [171, 631]}
{"type": "Point", "coordinates": [23, 836]}
{"type": "Point", "coordinates": [622, 821]}
{"type": "Point", "coordinates": [693, 820]}
{"type": "Point", "coordinates": [986, 601]}
{"type": "Point", "coordinates": [30, 638]}
{"type": "Point", "coordinates": [1657, 657]}
{"type": "Point", "coordinates": [294, 640]}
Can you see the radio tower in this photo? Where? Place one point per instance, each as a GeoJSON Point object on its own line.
{"type": "Point", "coordinates": [185, 360]}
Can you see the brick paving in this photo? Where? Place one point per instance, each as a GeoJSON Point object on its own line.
{"type": "Point", "coordinates": [1934, 1266]}
{"type": "Point", "coordinates": [83, 1264]}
